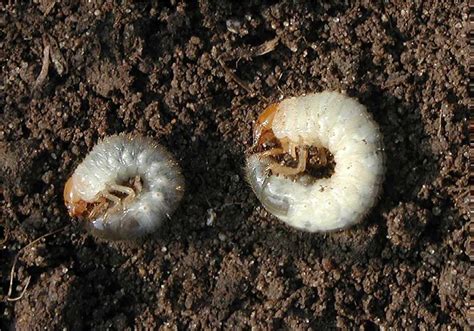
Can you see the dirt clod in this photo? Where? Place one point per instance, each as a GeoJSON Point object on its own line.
{"type": "Point", "coordinates": [405, 224]}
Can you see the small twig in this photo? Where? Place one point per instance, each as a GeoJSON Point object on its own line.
{"type": "Point", "coordinates": [266, 47]}
{"type": "Point", "coordinates": [22, 292]}
{"type": "Point", "coordinates": [259, 50]}
{"type": "Point", "coordinates": [56, 57]}
{"type": "Point", "coordinates": [15, 260]}
{"type": "Point", "coordinates": [44, 69]}
{"type": "Point", "coordinates": [47, 7]}
{"type": "Point", "coordinates": [440, 121]}
{"type": "Point", "coordinates": [234, 77]}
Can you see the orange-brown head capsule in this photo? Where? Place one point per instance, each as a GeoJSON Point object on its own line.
{"type": "Point", "coordinates": [263, 131]}
{"type": "Point", "coordinates": [75, 206]}
{"type": "Point", "coordinates": [124, 188]}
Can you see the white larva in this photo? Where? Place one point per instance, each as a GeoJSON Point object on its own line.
{"type": "Point", "coordinates": [124, 188]}
{"type": "Point", "coordinates": [333, 121]}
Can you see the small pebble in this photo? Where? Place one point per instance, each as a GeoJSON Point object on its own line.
{"type": "Point", "coordinates": [211, 217]}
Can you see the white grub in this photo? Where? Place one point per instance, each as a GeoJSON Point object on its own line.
{"type": "Point", "coordinates": [330, 120]}
{"type": "Point", "coordinates": [124, 188]}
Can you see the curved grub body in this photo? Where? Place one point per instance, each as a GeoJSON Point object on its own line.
{"type": "Point", "coordinates": [343, 126]}
{"type": "Point", "coordinates": [124, 188]}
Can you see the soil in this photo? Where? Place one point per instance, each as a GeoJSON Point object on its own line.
{"type": "Point", "coordinates": [194, 76]}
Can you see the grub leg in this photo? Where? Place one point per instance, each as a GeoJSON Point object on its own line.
{"type": "Point", "coordinates": [125, 190]}
{"type": "Point", "coordinates": [98, 208]}
{"type": "Point", "coordinates": [115, 199]}
{"type": "Point", "coordinates": [273, 152]}
{"type": "Point", "coordinates": [292, 149]}
{"type": "Point", "coordinates": [277, 168]}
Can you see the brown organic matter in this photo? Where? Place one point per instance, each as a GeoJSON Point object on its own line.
{"type": "Point", "coordinates": [155, 69]}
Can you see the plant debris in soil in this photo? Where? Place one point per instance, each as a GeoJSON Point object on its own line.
{"type": "Point", "coordinates": [194, 76]}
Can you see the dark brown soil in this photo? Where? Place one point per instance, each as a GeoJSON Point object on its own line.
{"type": "Point", "coordinates": [222, 261]}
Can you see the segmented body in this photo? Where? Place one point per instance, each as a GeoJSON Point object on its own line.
{"type": "Point", "coordinates": [136, 167]}
{"type": "Point", "coordinates": [343, 126]}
